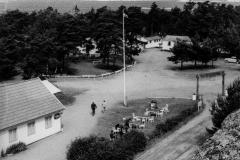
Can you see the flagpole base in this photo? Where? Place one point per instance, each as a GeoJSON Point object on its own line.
{"type": "Point", "coordinates": [125, 102]}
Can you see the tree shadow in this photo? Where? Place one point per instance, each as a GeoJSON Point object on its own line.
{"type": "Point", "coordinates": [191, 67]}
{"type": "Point", "coordinates": [68, 95]}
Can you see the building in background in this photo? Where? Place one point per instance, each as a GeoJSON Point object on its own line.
{"type": "Point", "coordinates": [153, 42]}
{"type": "Point", "coordinates": [28, 113]}
{"type": "Point", "coordinates": [169, 41]}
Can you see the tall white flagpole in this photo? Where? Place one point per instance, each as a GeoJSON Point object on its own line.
{"type": "Point", "coordinates": [124, 65]}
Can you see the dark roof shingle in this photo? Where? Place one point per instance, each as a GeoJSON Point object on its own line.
{"type": "Point", "coordinates": [25, 101]}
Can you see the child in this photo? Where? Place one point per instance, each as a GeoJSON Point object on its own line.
{"type": "Point", "coordinates": [104, 106]}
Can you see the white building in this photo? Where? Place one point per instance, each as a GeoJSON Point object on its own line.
{"type": "Point", "coordinates": [28, 113]}
{"type": "Point", "coordinates": [169, 41]}
{"type": "Point", "coordinates": [153, 42]}
{"type": "Point", "coordinates": [94, 53]}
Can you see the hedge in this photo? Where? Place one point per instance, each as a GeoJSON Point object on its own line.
{"type": "Point", "coordinates": [16, 148]}
{"type": "Point", "coordinates": [99, 148]}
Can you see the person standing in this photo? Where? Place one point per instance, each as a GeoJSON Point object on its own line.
{"type": "Point", "coordinates": [112, 135]}
{"type": "Point", "coordinates": [93, 107]}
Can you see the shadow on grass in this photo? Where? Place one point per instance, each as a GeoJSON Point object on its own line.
{"type": "Point", "coordinates": [114, 116]}
{"type": "Point", "coordinates": [68, 95]}
{"type": "Point", "coordinates": [72, 71]}
{"type": "Point", "coordinates": [108, 67]}
{"type": "Point", "coordinates": [191, 67]}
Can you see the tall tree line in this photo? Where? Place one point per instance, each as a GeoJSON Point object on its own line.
{"type": "Point", "coordinates": [40, 42]}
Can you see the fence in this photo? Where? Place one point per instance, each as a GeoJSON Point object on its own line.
{"type": "Point", "coordinates": [91, 76]}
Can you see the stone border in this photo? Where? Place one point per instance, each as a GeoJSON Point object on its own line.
{"type": "Point", "coordinates": [93, 76]}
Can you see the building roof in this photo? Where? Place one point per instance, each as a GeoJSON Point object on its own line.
{"type": "Point", "coordinates": [26, 101]}
{"type": "Point", "coordinates": [176, 38]}
{"type": "Point", "coordinates": [53, 89]}
{"type": "Point", "coordinates": [153, 38]}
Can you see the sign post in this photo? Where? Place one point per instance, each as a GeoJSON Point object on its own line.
{"type": "Point", "coordinates": [197, 90]}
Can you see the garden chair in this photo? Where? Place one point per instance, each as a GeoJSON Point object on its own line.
{"type": "Point", "coordinates": [135, 118]}
{"type": "Point", "coordinates": [142, 126]}
{"type": "Point", "coordinates": [144, 119]}
{"type": "Point", "coordinates": [147, 113]}
{"type": "Point", "coordinates": [159, 113]}
{"type": "Point", "coordinates": [151, 119]}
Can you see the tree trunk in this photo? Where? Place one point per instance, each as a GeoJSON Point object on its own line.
{"type": "Point", "coordinates": [63, 64]}
{"type": "Point", "coordinates": [212, 63]}
{"type": "Point", "coordinates": [181, 65]}
{"type": "Point", "coordinates": [108, 61]}
{"type": "Point", "coordinates": [195, 63]}
{"type": "Point", "coordinates": [152, 29]}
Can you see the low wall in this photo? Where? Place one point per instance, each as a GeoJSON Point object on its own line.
{"type": "Point", "coordinates": [91, 76]}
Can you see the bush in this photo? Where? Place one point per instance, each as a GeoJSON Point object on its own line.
{"type": "Point", "coordinates": [133, 141]}
{"type": "Point", "coordinates": [226, 106]}
{"type": "Point", "coordinates": [2, 153]}
{"type": "Point", "coordinates": [16, 148]}
{"type": "Point", "coordinates": [92, 147]}
{"type": "Point", "coordinates": [95, 148]}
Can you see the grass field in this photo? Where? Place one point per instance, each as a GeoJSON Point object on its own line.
{"type": "Point", "coordinates": [115, 115]}
{"type": "Point", "coordinates": [85, 67]}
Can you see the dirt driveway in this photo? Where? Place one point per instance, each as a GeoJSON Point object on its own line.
{"type": "Point", "coordinates": [153, 76]}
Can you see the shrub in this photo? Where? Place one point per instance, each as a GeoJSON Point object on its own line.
{"type": "Point", "coordinates": [226, 106]}
{"type": "Point", "coordinates": [16, 148]}
{"type": "Point", "coordinates": [133, 141]}
{"type": "Point", "coordinates": [91, 148]}
{"type": "Point", "coordinates": [2, 153]}
{"type": "Point", "coordinates": [95, 148]}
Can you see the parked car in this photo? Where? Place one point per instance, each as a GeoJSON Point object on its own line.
{"type": "Point", "coordinates": [231, 60]}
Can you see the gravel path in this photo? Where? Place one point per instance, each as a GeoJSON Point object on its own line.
{"type": "Point", "coordinates": [151, 77]}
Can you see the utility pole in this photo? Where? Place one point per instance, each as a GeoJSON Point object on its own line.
{"type": "Point", "coordinates": [223, 83]}
{"type": "Point", "coordinates": [124, 64]}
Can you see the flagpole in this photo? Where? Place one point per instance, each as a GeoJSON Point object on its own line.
{"type": "Point", "coordinates": [124, 65]}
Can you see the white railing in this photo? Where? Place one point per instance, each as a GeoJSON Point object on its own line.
{"type": "Point", "coordinates": [91, 76]}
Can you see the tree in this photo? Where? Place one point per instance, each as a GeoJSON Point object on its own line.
{"type": "Point", "coordinates": [181, 53]}
{"type": "Point", "coordinates": [153, 18]}
{"type": "Point", "coordinates": [225, 106]}
{"type": "Point", "coordinates": [107, 34]}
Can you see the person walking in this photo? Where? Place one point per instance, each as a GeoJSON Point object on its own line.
{"type": "Point", "coordinates": [93, 107]}
{"type": "Point", "coordinates": [104, 106]}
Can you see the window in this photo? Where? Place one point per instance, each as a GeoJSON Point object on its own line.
{"type": "Point", "coordinates": [48, 122]}
{"type": "Point", "coordinates": [169, 43]}
{"type": "Point", "coordinates": [31, 128]}
{"type": "Point", "coordinates": [12, 135]}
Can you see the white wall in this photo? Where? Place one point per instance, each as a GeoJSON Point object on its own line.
{"type": "Point", "coordinates": [167, 47]}
{"type": "Point", "coordinates": [22, 132]}
{"type": "Point", "coordinates": [153, 44]}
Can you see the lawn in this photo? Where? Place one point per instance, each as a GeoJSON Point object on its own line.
{"type": "Point", "coordinates": [114, 116]}
{"type": "Point", "coordinates": [86, 67]}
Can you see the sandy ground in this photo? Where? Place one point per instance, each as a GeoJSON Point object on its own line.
{"type": "Point", "coordinates": [151, 77]}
